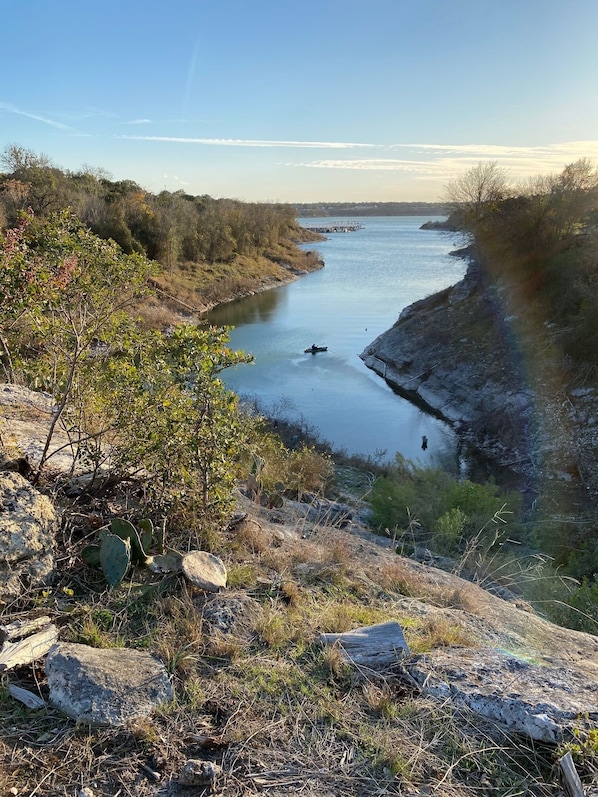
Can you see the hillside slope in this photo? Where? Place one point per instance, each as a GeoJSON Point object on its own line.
{"type": "Point", "coordinates": [486, 700]}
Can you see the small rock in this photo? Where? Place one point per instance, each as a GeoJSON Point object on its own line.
{"type": "Point", "coordinates": [204, 570]}
{"type": "Point", "coordinates": [199, 773]}
{"type": "Point", "coordinates": [85, 792]}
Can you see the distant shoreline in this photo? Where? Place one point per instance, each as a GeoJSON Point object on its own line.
{"type": "Point", "coordinates": [327, 209]}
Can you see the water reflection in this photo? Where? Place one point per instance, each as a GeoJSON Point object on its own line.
{"type": "Point", "coordinates": [259, 308]}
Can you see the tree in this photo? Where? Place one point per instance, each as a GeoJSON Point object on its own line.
{"type": "Point", "coordinates": [43, 185]}
{"type": "Point", "coordinates": [64, 292]}
{"type": "Point", "coordinates": [476, 193]}
{"type": "Point", "coordinates": [170, 413]}
{"type": "Point", "coordinates": [575, 194]}
{"type": "Point", "coordinates": [17, 159]}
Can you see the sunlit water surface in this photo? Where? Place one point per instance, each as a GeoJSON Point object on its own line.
{"type": "Point", "coordinates": [369, 277]}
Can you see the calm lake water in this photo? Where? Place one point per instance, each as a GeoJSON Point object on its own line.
{"type": "Point", "coordinates": [369, 276]}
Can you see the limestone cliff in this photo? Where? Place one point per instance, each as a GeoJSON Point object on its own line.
{"type": "Point", "coordinates": [469, 355]}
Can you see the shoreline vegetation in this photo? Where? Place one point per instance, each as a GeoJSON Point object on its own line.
{"type": "Point", "coordinates": [208, 252]}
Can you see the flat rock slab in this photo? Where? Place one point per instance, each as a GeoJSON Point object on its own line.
{"type": "Point", "coordinates": [105, 687]}
{"type": "Point", "coordinates": [541, 702]}
{"type": "Point", "coordinates": [204, 570]}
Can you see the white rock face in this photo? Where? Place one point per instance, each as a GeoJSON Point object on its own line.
{"type": "Point", "coordinates": [28, 526]}
{"type": "Point", "coordinates": [544, 703]}
{"type": "Point", "coordinates": [25, 418]}
{"type": "Point", "coordinates": [105, 687]}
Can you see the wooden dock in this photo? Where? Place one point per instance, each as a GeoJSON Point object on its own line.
{"type": "Point", "coordinates": [342, 226]}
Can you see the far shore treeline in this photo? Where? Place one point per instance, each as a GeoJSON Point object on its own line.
{"type": "Point", "coordinates": [210, 250]}
{"type": "Point", "coordinates": [324, 209]}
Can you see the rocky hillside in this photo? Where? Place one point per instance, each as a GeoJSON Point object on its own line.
{"type": "Point", "coordinates": [318, 661]}
{"type": "Point", "coordinates": [472, 356]}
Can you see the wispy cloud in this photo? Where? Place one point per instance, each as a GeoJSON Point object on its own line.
{"type": "Point", "coordinates": [438, 162]}
{"type": "Point", "coordinates": [445, 161]}
{"type": "Point", "coordinates": [369, 164]}
{"type": "Point", "coordinates": [4, 106]}
{"type": "Point", "coordinates": [174, 178]}
{"type": "Point", "coordinates": [139, 122]}
{"type": "Point", "coordinates": [570, 148]}
{"type": "Point", "coordinates": [241, 142]}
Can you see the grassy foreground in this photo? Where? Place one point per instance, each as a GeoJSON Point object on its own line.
{"type": "Point", "coordinates": [256, 692]}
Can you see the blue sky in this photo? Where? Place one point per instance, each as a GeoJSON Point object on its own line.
{"type": "Point", "coordinates": [320, 100]}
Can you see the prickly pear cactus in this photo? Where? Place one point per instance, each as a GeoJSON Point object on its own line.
{"type": "Point", "coordinates": [160, 536]}
{"type": "Point", "coordinates": [146, 533]}
{"type": "Point", "coordinates": [91, 555]}
{"type": "Point", "coordinates": [115, 558]}
{"type": "Point", "coordinates": [126, 531]}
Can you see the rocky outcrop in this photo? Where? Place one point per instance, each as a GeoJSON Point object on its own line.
{"type": "Point", "coordinates": [28, 526]}
{"type": "Point", "coordinates": [462, 355]}
{"type": "Point", "coordinates": [437, 356]}
{"type": "Point", "coordinates": [520, 695]}
{"type": "Point", "coordinates": [513, 668]}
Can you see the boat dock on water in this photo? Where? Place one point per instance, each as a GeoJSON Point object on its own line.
{"type": "Point", "coordinates": [342, 226]}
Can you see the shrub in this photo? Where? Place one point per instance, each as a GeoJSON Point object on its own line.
{"type": "Point", "coordinates": [449, 512]}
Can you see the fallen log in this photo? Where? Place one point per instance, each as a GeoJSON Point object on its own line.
{"type": "Point", "coordinates": [22, 628]}
{"type": "Point", "coordinates": [374, 646]}
{"type": "Point", "coordinates": [570, 780]}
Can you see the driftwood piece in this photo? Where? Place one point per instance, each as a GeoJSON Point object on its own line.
{"type": "Point", "coordinates": [22, 628]}
{"type": "Point", "coordinates": [26, 697]}
{"type": "Point", "coordinates": [374, 646]}
{"type": "Point", "coordinates": [28, 650]}
{"type": "Point", "coordinates": [570, 780]}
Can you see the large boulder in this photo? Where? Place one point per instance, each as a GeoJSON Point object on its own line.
{"type": "Point", "coordinates": [106, 687]}
{"type": "Point", "coordinates": [25, 420]}
{"type": "Point", "coordinates": [28, 527]}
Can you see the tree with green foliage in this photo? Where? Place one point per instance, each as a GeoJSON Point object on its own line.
{"type": "Point", "coordinates": [65, 292]}
{"type": "Point", "coordinates": [169, 412]}
{"type": "Point", "coordinates": [132, 401]}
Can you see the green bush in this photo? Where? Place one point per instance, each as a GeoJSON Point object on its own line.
{"type": "Point", "coordinates": [448, 512]}
{"type": "Point", "coordinates": [294, 472]}
{"type": "Point", "coordinates": [575, 606]}
{"type": "Point", "coordinates": [448, 531]}
{"type": "Point", "coordinates": [407, 492]}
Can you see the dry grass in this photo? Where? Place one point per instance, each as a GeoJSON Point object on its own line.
{"type": "Point", "coordinates": [400, 577]}
{"type": "Point", "coordinates": [437, 632]}
{"type": "Point", "coordinates": [277, 711]}
{"type": "Point", "coordinates": [250, 537]}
